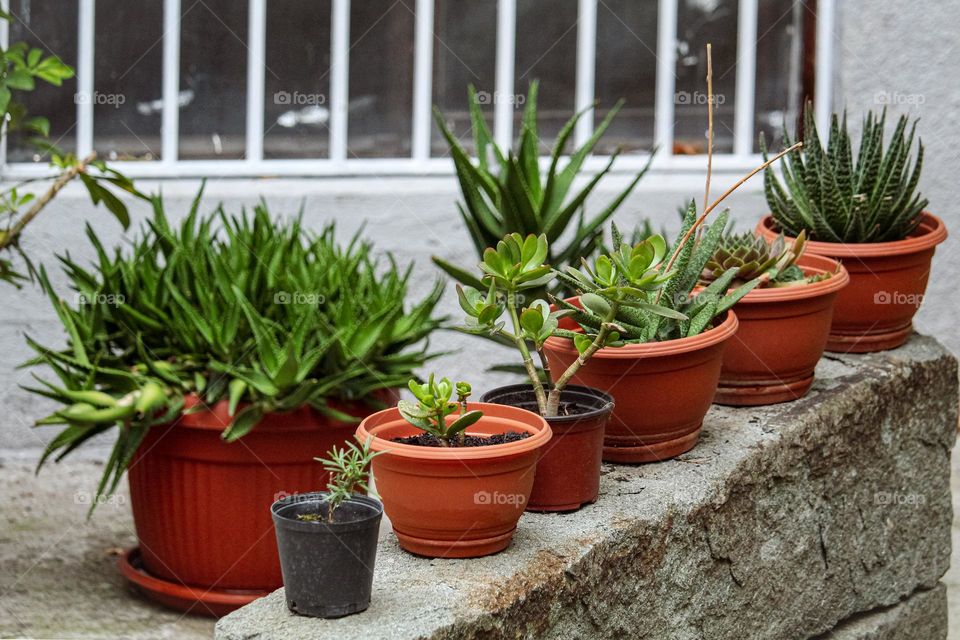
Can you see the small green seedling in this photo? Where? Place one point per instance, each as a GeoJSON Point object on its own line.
{"type": "Point", "coordinates": [434, 404]}
{"type": "Point", "coordinates": [349, 470]}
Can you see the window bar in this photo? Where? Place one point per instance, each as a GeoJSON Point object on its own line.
{"type": "Point", "coordinates": [4, 43]}
{"type": "Point", "coordinates": [666, 76]}
{"type": "Point", "coordinates": [85, 97]}
{"type": "Point", "coordinates": [746, 77]}
{"type": "Point", "coordinates": [423, 80]}
{"type": "Point", "coordinates": [506, 61]}
{"type": "Point", "coordinates": [823, 89]}
{"type": "Point", "coordinates": [256, 65]}
{"type": "Point", "coordinates": [170, 128]}
{"type": "Point", "coordinates": [339, 79]}
{"type": "Point", "coordinates": [586, 67]}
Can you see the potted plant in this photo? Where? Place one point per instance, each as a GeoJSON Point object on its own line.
{"type": "Point", "coordinates": [568, 473]}
{"type": "Point", "coordinates": [224, 355]}
{"type": "Point", "coordinates": [452, 492]}
{"type": "Point", "coordinates": [328, 540]}
{"type": "Point", "coordinates": [784, 320]}
{"type": "Point", "coordinates": [865, 211]}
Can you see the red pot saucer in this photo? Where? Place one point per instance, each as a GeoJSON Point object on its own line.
{"type": "Point", "coordinates": [201, 601]}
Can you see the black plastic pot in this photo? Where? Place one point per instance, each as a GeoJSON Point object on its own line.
{"type": "Point", "coordinates": [327, 567]}
{"type": "Point", "coordinates": [568, 472]}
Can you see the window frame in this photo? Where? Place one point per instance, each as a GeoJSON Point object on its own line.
{"type": "Point", "coordinates": [339, 162]}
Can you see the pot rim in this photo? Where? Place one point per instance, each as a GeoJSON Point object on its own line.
{"type": "Point", "coordinates": [708, 338]}
{"type": "Point", "coordinates": [811, 264]}
{"type": "Point", "coordinates": [932, 231]}
{"type": "Point", "coordinates": [375, 506]}
{"type": "Point", "coordinates": [535, 425]}
{"type": "Point", "coordinates": [593, 393]}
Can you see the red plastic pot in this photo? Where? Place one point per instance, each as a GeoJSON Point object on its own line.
{"type": "Point", "coordinates": [887, 282]}
{"type": "Point", "coordinates": [662, 390]}
{"type": "Point", "coordinates": [456, 502]}
{"type": "Point", "coordinates": [782, 334]}
{"type": "Point", "coordinates": [202, 506]}
{"type": "Point", "coordinates": [568, 472]}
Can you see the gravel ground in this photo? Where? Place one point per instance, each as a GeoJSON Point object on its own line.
{"type": "Point", "coordinates": [58, 576]}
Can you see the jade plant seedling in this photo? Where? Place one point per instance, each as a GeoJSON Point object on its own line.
{"type": "Point", "coordinates": [434, 404]}
{"type": "Point", "coordinates": [349, 470]}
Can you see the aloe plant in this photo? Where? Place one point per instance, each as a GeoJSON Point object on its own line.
{"type": "Point", "coordinates": [838, 198]}
{"type": "Point", "coordinates": [247, 309]}
{"type": "Point", "coordinates": [505, 191]}
{"type": "Point", "coordinates": [429, 413]}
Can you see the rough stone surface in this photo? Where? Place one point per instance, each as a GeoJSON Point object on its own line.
{"type": "Point", "coordinates": [922, 616]}
{"type": "Point", "coordinates": [784, 522]}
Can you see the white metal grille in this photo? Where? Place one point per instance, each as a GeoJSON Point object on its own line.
{"type": "Point", "coordinates": [420, 162]}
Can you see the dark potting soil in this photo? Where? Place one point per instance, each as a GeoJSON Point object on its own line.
{"type": "Point", "coordinates": [430, 440]}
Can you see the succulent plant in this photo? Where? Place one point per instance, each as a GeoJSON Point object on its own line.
{"type": "Point", "coordinates": [753, 257]}
{"type": "Point", "coordinates": [249, 309]}
{"type": "Point", "coordinates": [505, 192]}
{"type": "Point", "coordinates": [429, 413]}
{"type": "Point", "coordinates": [837, 198]}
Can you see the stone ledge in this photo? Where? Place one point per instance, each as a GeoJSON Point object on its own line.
{"type": "Point", "coordinates": [922, 616]}
{"type": "Point", "coordinates": [782, 523]}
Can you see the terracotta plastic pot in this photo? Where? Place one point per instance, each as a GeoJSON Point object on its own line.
{"type": "Point", "coordinates": [782, 334]}
{"type": "Point", "coordinates": [456, 502]}
{"type": "Point", "coordinates": [662, 390]}
{"type": "Point", "coordinates": [887, 282]}
{"type": "Point", "coordinates": [202, 506]}
{"type": "Point", "coordinates": [568, 473]}
{"type": "Point", "coordinates": [327, 566]}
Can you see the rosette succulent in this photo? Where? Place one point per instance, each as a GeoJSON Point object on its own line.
{"type": "Point", "coordinates": [774, 264]}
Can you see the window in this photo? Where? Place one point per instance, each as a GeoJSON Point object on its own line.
{"type": "Point", "coordinates": [346, 87]}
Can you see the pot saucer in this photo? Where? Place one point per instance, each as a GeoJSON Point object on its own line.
{"type": "Point", "coordinates": [202, 601]}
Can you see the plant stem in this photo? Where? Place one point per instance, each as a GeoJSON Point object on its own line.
{"type": "Point", "coordinates": [527, 358]}
{"type": "Point", "coordinates": [11, 236]}
{"type": "Point", "coordinates": [553, 401]}
{"type": "Point", "coordinates": [545, 365]}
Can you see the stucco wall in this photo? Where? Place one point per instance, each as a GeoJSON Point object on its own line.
{"type": "Point", "coordinates": [884, 52]}
{"type": "Point", "coordinates": [902, 53]}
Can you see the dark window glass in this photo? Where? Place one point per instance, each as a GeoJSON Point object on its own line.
{"type": "Point", "coordinates": [213, 79]}
{"type": "Point", "coordinates": [381, 78]}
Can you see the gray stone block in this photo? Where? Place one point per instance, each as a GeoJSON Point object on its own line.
{"type": "Point", "coordinates": [784, 522]}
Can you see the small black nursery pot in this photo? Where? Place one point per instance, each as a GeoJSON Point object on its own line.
{"type": "Point", "coordinates": [327, 566]}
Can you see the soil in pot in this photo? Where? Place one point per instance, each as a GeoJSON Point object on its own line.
{"type": "Point", "coordinates": [887, 282]}
{"type": "Point", "coordinates": [781, 336]}
{"type": "Point", "coordinates": [662, 390]}
{"type": "Point", "coordinates": [430, 440]}
{"type": "Point", "coordinates": [568, 472]}
{"type": "Point", "coordinates": [327, 566]}
{"type": "Point", "coordinates": [456, 502]}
